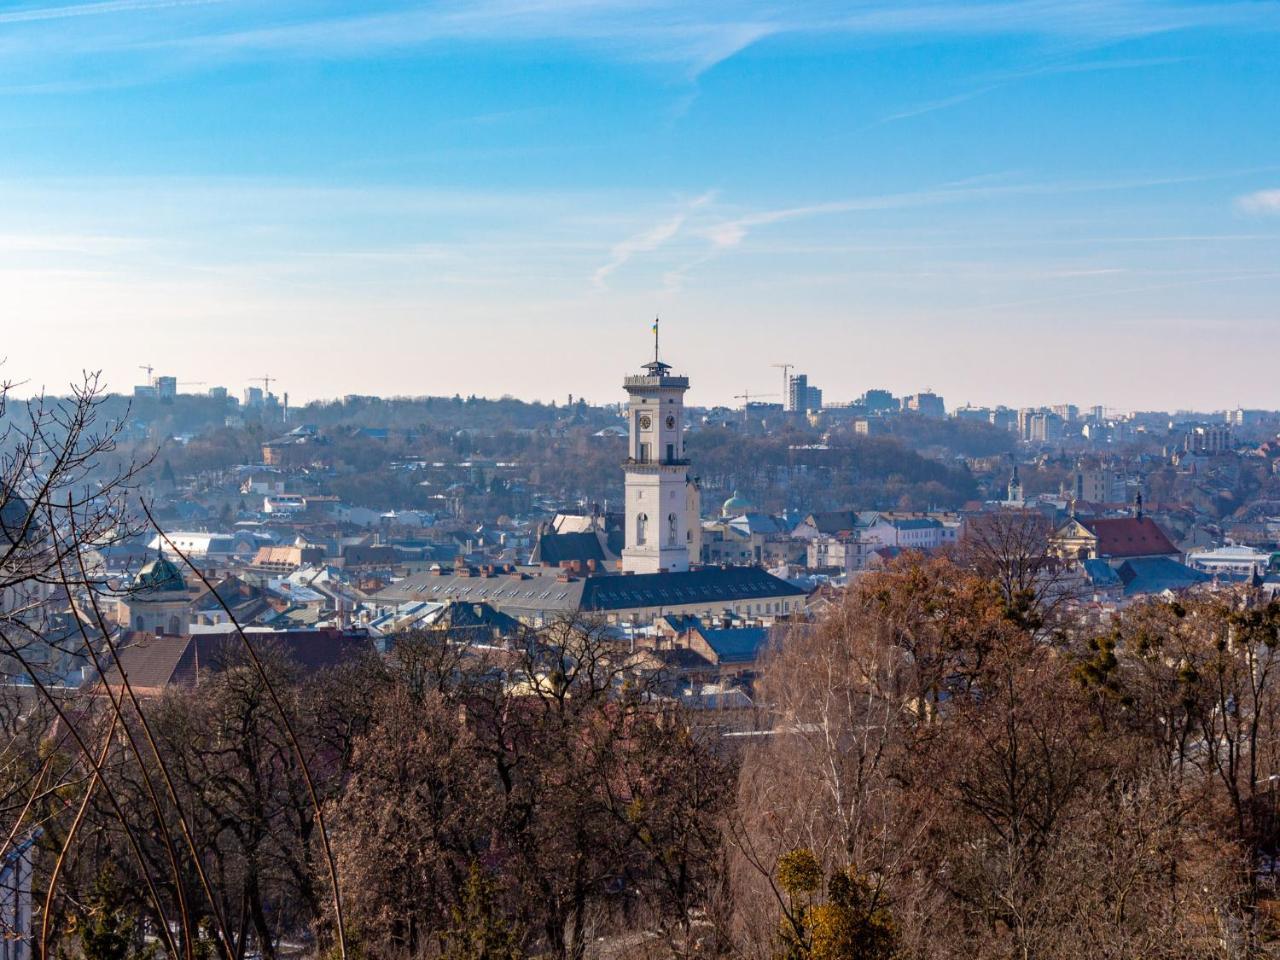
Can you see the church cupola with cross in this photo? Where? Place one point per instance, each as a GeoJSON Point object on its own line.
{"type": "Point", "coordinates": [658, 514]}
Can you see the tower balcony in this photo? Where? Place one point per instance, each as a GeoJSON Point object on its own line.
{"type": "Point", "coordinates": [655, 465]}
{"type": "Point", "coordinates": [644, 381]}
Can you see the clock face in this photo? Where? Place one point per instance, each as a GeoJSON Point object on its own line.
{"type": "Point", "coordinates": [671, 422]}
{"type": "Point", "coordinates": [645, 422]}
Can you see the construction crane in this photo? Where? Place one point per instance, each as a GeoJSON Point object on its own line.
{"type": "Point", "coordinates": [746, 396]}
{"type": "Point", "coordinates": [265, 381]}
{"type": "Point", "coordinates": [192, 383]}
{"type": "Point", "coordinates": [147, 367]}
{"type": "Point", "coordinates": [786, 379]}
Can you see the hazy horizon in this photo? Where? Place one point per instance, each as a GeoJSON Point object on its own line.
{"type": "Point", "coordinates": [1005, 202]}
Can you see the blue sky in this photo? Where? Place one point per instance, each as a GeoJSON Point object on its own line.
{"type": "Point", "coordinates": [1007, 202]}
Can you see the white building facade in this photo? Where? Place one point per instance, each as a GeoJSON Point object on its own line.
{"type": "Point", "coordinates": [657, 495]}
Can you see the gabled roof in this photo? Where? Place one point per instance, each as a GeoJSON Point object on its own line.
{"type": "Point", "coordinates": [832, 521]}
{"type": "Point", "coordinates": [761, 523]}
{"type": "Point", "coordinates": [711, 585]}
{"type": "Point", "coordinates": [737, 644]}
{"type": "Point", "coordinates": [554, 549]}
{"type": "Point", "coordinates": [153, 663]}
{"type": "Point", "coordinates": [546, 591]}
{"type": "Point", "coordinates": [460, 615]}
{"type": "Point", "coordinates": [1101, 574]}
{"type": "Point", "coordinates": [1143, 575]}
{"type": "Point", "coordinates": [1129, 537]}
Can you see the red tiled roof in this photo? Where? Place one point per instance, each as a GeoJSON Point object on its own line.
{"type": "Point", "coordinates": [1129, 537]}
{"type": "Point", "coordinates": [154, 663]}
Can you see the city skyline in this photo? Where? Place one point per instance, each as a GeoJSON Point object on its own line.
{"type": "Point", "coordinates": [495, 198]}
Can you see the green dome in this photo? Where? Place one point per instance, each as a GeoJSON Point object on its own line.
{"type": "Point", "coordinates": [161, 574]}
{"type": "Point", "coordinates": [13, 517]}
{"type": "Point", "coordinates": [735, 505]}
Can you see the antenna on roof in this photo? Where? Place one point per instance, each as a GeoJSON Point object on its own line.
{"type": "Point", "coordinates": [655, 340]}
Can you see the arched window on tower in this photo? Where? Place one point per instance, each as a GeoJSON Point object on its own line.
{"type": "Point", "coordinates": [672, 536]}
{"type": "Point", "coordinates": [641, 520]}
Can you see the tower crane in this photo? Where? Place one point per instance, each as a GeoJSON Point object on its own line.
{"type": "Point", "coordinates": [786, 379]}
{"type": "Point", "coordinates": [265, 381]}
{"type": "Point", "coordinates": [746, 396]}
{"type": "Point", "coordinates": [147, 367]}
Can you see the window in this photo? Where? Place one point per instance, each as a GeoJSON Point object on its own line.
{"type": "Point", "coordinates": [671, 452]}
{"type": "Point", "coordinates": [641, 520]}
{"type": "Point", "coordinates": [644, 453]}
{"type": "Point", "coordinates": [174, 626]}
{"type": "Point", "coordinates": [672, 536]}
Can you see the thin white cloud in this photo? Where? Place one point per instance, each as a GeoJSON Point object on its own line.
{"type": "Point", "coordinates": [1265, 202]}
{"type": "Point", "coordinates": [40, 14]}
{"type": "Point", "coordinates": [647, 241]}
{"type": "Point", "coordinates": [730, 233]}
{"type": "Point", "coordinates": [693, 37]}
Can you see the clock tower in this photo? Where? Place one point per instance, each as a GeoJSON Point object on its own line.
{"type": "Point", "coordinates": [658, 535]}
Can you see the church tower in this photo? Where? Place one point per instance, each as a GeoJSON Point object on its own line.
{"type": "Point", "coordinates": [658, 534]}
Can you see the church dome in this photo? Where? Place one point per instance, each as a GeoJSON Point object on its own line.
{"type": "Point", "coordinates": [13, 516]}
{"type": "Point", "coordinates": [735, 506]}
{"type": "Point", "coordinates": [161, 574]}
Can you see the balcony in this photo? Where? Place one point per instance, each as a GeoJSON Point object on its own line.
{"type": "Point", "coordinates": [643, 381]}
{"type": "Point", "coordinates": [632, 462]}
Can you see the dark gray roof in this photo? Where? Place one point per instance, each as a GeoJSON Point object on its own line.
{"type": "Point", "coordinates": [832, 521]}
{"type": "Point", "coordinates": [1143, 575]}
{"type": "Point", "coordinates": [543, 593]}
{"type": "Point", "coordinates": [13, 515]}
{"type": "Point", "coordinates": [738, 644]}
{"type": "Point", "coordinates": [712, 585]}
{"type": "Point", "coordinates": [557, 548]}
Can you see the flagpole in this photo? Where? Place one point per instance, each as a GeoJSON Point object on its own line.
{"type": "Point", "coordinates": [655, 339]}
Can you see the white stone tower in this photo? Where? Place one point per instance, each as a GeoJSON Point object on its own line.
{"type": "Point", "coordinates": [657, 509]}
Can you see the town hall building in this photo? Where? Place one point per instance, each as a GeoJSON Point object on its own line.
{"type": "Point", "coordinates": [662, 515]}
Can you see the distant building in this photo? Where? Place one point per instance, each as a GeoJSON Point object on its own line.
{"type": "Point", "coordinates": [801, 397]}
{"type": "Point", "coordinates": [1114, 540]}
{"type": "Point", "coordinates": [16, 869]}
{"type": "Point", "coordinates": [879, 402]}
{"type": "Point", "coordinates": [159, 603]}
{"type": "Point", "coordinates": [166, 387]}
{"type": "Point", "coordinates": [1096, 485]}
{"type": "Point", "coordinates": [1014, 494]}
{"type": "Point", "coordinates": [1231, 561]}
{"type": "Point", "coordinates": [926, 404]}
{"type": "Point", "coordinates": [657, 527]}
{"type": "Point", "coordinates": [253, 396]}
{"type": "Point", "coordinates": [1208, 439]}
{"type": "Point", "coordinates": [540, 596]}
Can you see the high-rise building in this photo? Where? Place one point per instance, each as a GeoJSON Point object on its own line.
{"type": "Point", "coordinates": [926, 404]}
{"type": "Point", "coordinates": [801, 397]}
{"type": "Point", "coordinates": [657, 496]}
{"type": "Point", "coordinates": [166, 387]}
{"type": "Point", "coordinates": [879, 402]}
{"type": "Point", "coordinates": [798, 393]}
{"type": "Point", "coordinates": [253, 396]}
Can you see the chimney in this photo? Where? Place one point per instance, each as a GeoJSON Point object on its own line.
{"type": "Point", "coordinates": [1137, 503]}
